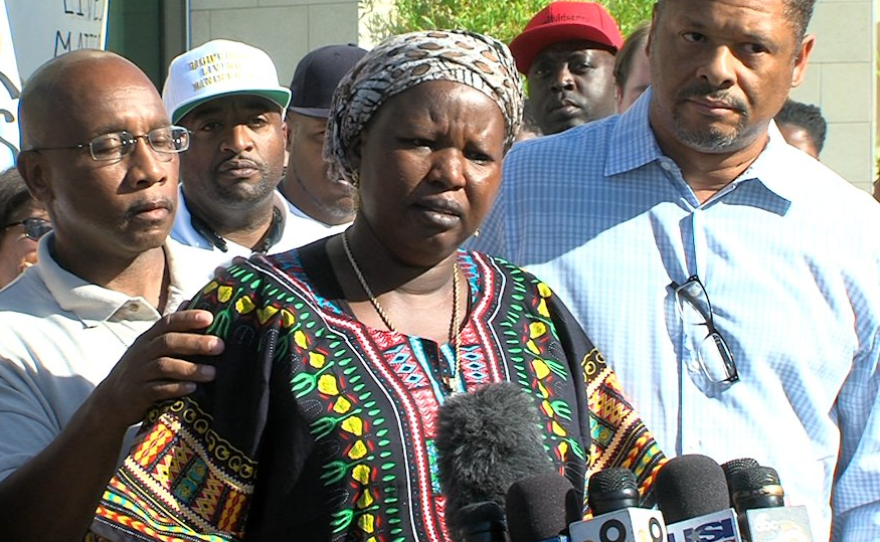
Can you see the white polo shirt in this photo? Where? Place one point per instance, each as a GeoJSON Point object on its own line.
{"type": "Point", "coordinates": [59, 338]}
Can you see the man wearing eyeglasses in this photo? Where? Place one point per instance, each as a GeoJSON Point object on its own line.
{"type": "Point", "coordinates": [732, 281]}
{"type": "Point", "coordinates": [227, 95]}
{"type": "Point", "coordinates": [100, 152]}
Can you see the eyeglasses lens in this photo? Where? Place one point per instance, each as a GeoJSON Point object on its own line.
{"type": "Point", "coordinates": [693, 303]}
{"type": "Point", "coordinates": [34, 228]}
{"type": "Point", "coordinates": [713, 353]}
{"type": "Point", "coordinates": [716, 359]}
{"type": "Point", "coordinates": [167, 140]}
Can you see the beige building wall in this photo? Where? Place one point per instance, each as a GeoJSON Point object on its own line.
{"type": "Point", "coordinates": [286, 29]}
{"type": "Point", "coordinates": [841, 78]}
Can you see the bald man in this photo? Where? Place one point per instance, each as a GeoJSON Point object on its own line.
{"type": "Point", "coordinates": [100, 152]}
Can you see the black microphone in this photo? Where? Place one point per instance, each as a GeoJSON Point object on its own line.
{"type": "Point", "coordinates": [613, 496]}
{"type": "Point", "coordinates": [756, 487]}
{"type": "Point", "coordinates": [732, 467]}
{"type": "Point", "coordinates": [539, 508]}
{"type": "Point", "coordinates": [486, 440]}
{"type": "Point", "coordinates": [482, 522]}
{"type": "Point", "coordinates": [760, 504]}
{"type": "Point", "coordinates": [612, 490]}
{"type": "Point", "coordinates": [693, 496]}
{"type": "Point", "coordinates": [735, 465]}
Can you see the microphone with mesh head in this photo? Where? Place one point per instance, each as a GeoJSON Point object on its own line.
{"type": "Point", "coordinates": [756, 487]}
{"type": "Point", "coordinates": [760, 504]}
{"type": "Point", "coordinates": [733, 466]}
{"type": "Point", "coordinates": [613, 496]}
{"type": "Point", "coordinates": [613, 489]}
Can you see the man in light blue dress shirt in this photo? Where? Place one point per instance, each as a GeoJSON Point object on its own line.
{"type": "Point", "coordinates": [639, 220]}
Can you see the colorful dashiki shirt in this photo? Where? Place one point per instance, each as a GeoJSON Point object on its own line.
{"type": "Point", "coordinates": [320, 428]}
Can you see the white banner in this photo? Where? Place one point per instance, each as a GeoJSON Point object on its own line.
{"type": "Point", "coordinates": [10, 90]}
{"type": "Point", "coordinates": [44, 29]}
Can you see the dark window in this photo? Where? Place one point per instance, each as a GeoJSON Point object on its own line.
{"type": "Point", "coordinates": [149, 34]}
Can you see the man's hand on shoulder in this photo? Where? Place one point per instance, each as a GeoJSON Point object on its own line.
{"type": "Point", "coordinates": [154, 369]}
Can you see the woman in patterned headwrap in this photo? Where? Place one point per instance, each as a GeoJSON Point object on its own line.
{"type": "Point", "coordinates": [321, 422]}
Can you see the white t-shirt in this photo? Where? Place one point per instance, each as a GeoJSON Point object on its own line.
{"type": "Point", "coordinates": [298, 230]}
{"type": "Point", "coordinates": [310, 229]}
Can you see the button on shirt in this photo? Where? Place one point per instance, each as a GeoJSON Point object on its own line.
{"type": "Point", "coordinates": [789, 254]}
{"type": "Point", "coordinates": [60, 336]}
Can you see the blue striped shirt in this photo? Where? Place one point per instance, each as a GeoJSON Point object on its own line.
{"type": "Point", "coordinates": [789, 254]}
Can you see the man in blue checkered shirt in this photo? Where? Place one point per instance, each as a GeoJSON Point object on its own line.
{"type": "Point", "coordinates": [732, 281]}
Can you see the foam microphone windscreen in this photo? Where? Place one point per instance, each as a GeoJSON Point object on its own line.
{"type": "Point", "coordinates": [541, 507]}
{"type": "Point", "coordinates": [487, 440]}
{"type": "Point", "coordinates": [690, 486]}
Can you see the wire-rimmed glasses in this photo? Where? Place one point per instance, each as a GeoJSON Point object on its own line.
{"type": "Point", "coordinates": [713, 353]}
{"type": "Point", "coordinates": [113, 146]}
{"type": "Point", "coordinates": [34, 227]}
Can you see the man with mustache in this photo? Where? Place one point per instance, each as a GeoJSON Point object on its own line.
{"type": "Point", "coordinates": [692, 194]}
{"type": "Point", "coordinates": [227, 94]}
{"type": "Point", "coordinates": [89, 339]}
{"type": "Point", "coordinates": [322, 205]}
{"type": "Point", "coordinates": [567, 52]}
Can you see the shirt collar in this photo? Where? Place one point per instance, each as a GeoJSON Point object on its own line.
{"type": "Point", "coordinates": [190, 235]}
{"type": "Point", "coordinates": [633, 145]}
{"type": "Point", "coordinates": [772, 168]}
{"type": "Point", "coordinates": [632, 142]}
{"type": "Point", "coordinates": [94, 304]}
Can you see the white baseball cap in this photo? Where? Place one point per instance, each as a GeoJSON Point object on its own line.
{"type": "Point", "coordinates": [220, 68]}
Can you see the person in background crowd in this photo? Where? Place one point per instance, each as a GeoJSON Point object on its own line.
{"type": "Point", "coordinates": [637, 221]}
{"type": "Point", "coordinates": [24, 220]}
{"type": "Point", "coordinates": [632, 72]}
{"type": "Point", "coordinates": [226, 93]}
{"type": "Point", "coordinates": [341, 352]}
{"type": "Point", "coordinates": [567, 52]}
{"type": "Point", "coordinates": [321, 205]}
{"type": "Point", "coordinates": [803, 126]}
{"type": "Point", "coordinates": [529, 128]}
{"type": "Point", "coordinates": [100, 153]}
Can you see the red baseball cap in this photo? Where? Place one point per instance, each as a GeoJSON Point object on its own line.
{"type": "Point", "coordinates": [565, 21]}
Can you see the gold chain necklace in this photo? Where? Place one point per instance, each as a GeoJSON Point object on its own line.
{"type": "Point", "coordinates": [452, 383]}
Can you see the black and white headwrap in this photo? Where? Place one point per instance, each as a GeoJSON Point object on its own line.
{"type": "Point", "coordinates": [402, 62]}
